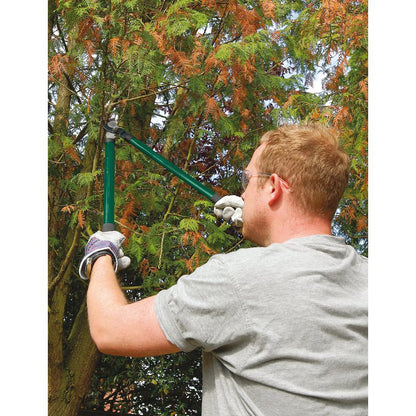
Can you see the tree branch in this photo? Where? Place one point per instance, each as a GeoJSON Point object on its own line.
{"type": "Point", "coordinates": [61, 35]}
{"type": "Point", "coordinates": [139, 97]}
{"type": "Point", "coordinates": [67, 260]}
{"type": "Point", "coordinates": [81, 134]}
{"type": "Point", "coordinates": [131, 287]}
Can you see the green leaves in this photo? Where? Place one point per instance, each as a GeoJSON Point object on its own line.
{"type": "Point", "coordinates": [189, 224]}
{"type": "Point", "coordinates": [178, 26]}
{"type": "Point", "coordinates": [136, 247]}
{"type": "Point", "coordinates": [85, 178]}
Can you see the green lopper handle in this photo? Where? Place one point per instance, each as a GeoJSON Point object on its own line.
{"type": "Point", "coordinates": [202, 189]}
{"type": "Point", "coordinates": [109, 172]}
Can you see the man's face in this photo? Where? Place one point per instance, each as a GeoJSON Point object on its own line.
{"type": "Point", "coordinates": [255, 226]}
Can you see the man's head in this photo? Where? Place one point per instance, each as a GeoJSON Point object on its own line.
{"type": "Point", "coordinates": [310, 159]}
{"type": "Point", "coordinates": [308, 173]}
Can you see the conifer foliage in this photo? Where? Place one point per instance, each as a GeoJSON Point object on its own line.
{"type": "Point", "coordinates": [199, 82]}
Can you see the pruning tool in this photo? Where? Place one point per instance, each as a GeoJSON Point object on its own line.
{"type": "Point", "coordinates": [111, 131]}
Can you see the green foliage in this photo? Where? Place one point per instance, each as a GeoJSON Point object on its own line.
{"type": "Point", "coordinates": [85, 178]}
{"type": "Point", "coordinates": [151, 386]}
{"type": "Point", "coordinates": [189, 224]}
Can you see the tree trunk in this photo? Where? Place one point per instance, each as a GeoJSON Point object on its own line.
{"type": "Point", "coordinates": [76, 378]}
{"type": "Point", "coordinates": [70, 371]}
{"type": "Point", "coordinates": [72, 361]}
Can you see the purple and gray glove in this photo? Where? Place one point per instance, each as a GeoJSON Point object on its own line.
{"type": "Point", "coordinates": [100, 244]}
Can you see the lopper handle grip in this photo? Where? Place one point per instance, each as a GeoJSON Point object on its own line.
{"type": "Point", "coordinates": [109, 172]}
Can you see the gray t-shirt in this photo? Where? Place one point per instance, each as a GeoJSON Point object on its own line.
{"type": "Point", "coordinates": [283, 328]}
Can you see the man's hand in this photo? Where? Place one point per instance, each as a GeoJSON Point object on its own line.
{"type": "Point", "coordinates": [230, 207]}
{"type": "Point", "coordinates": [102, 243]}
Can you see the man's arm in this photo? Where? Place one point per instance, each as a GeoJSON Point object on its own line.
{"type": "Point", "coordinates": [118, 327]}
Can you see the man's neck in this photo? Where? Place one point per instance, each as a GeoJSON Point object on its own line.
{"type": "Point", "coordinates": [301, 226]}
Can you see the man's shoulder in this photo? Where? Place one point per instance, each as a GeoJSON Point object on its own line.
{"type": "Point", "coordinates": [246, 259]}
{"type": "Point", "coordinates": [292, 252]}
{"type": "Point", "coordinates": [242, 254]}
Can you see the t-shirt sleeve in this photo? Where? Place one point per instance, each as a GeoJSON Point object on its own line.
{"type": "Point", "coordinates": [203, 309]}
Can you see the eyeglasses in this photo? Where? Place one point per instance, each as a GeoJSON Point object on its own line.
{"type": "Point", "coordinates": [247, 174]}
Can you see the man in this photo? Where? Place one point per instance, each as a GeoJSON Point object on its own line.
{"type": "Point", "coordinates": [282, 326]}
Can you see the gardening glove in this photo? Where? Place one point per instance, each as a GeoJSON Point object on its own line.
{"type": "Point", "coordinates": [99, 244]}
{"type": "Point", "coordinates": [230, 207]}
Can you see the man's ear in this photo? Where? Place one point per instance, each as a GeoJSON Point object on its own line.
{"type": "Point", "coordinates": [275, 188]}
